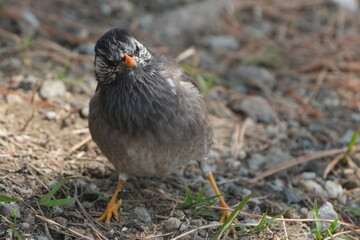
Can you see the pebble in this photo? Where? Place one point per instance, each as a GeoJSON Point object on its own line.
{"type": "Point", "coordinates": [197, 222]}
{"type": "Point", "coordinates": [143, 214]}
{"type": "Point", "coordinates": [307, 175]}
{"type": "Point", "coordinates": [333, 189]}
{"type": "Point", "coordinates": [183, 228]}
{"type": "Point", "coordinates": [326, 211]}
{"type": "Point", "coordinates": [50, 115]}
{"type": "Point", "coordinates": [290, 196]}
{"type": "Point", "coordinates": [13, 99]}
{"type": "Point", "coordinates": [254, 76]}
{"type": "Point", "coordinates": [172, 224]}
{"type": "Point", "coordinates": [21, 191]}
{"type": "Point", "coordinates": [257, 162]}
{"type": "Point", "coordinates": [311, 185]}
{"type": "Point", "coordinates": [346, 138]}
{"type": "Point", "coordinates": [41, 238]}
{"type": "Point", "coordinates": [176, 29]}
{"type": "Point", "coordinates": [57, 210]}
{"type": "Point", "coordinates": [221, 43]}
{"type": "Point", "coordinates": [7, 209]}
{"type": "Point", "coordinates": [84, 112]}
{"type": "Point", "coordinates": [256, 107]}
{"type": "Point", "coordinates": [25, 225]}
{"type": "Point", "coordinates": [52, 89]}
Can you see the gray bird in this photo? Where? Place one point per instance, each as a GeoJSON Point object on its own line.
{"type": "Point", "coordinates": [147, 115]}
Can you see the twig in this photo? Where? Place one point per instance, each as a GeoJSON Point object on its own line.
{"type": "Point", "coordinates": [80, 144]}
{"type": "Point", "coordinates": [34, 90]}
{"type": "Point", "coordinates": [63, 227]}
{"type": "Point", "coordinates": [332, 164]}
{"type": "Point", "coordinates": [299, 160]}
{"type": "Point", "coordinates": [197, 229]}
{"type": "Point", "coordinates": [350, 225]}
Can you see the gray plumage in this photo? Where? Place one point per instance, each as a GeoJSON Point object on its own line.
{"type": "Point", "coordinates": [150, 119]}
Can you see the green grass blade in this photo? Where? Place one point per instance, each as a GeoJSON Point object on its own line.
{"type": "Point", "coordinates": [353, 141]}
{"type": "Point", "coordinates": [57, 202]}
{"type": "Point", "coordinates": [47, 196]}
{"type": "Point", "coordinates": [316, 216]}
{"type": "Point", "coordinates": [332, 227]}
{"type": "Point", "coordinates": [231, 218]}
{"type": "Point", "coordinates": [267, 222]}
{"type": "Point", "coordinates": [355, 211]}
{"type": "Point", "coordinates": [7, 199]}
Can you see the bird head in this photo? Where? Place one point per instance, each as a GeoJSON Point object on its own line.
{"type": "Point", "coordinates": [117, 51]}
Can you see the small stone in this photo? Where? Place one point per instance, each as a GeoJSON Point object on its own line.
{"type": "Point", "coordinates": [307, 175]}
{"type": "Point", "coordinates": [25, 225]}
{"type": "Point", "coordinates": [51, 184]}
{"type": "Point", "coordinates": [7, 209]}
{"type": "Point", "coordinates": [41, 238]}
{"type": "Point", "coordinates": [50, 115]}
{"type": "Point", "coordinates": [183, 227]}
{"type": "Point", "coordinates": [346, 138]}
{"type": "Point", "coordinates": [57, 210]}
{"type": "Point", "coordinates": [311, 185]}
{"type": "Point", "coordinates": [290, 196]}
{"type": "Point", "coordinates": [255, 107]}
{"type": "Point", "coordinates": [304, 211]}
{"type": "Point", "coordinates": [254, 76]}
{"type": "Point", "coordinates": [326, 211]}
{"type": "Point", "coordinates": [172, 224]}
{"type": "Point", "coordinates": [197, 222]}
{"type": "Point", "coordinates": [21, 191]}
{"type": "Point", "coordinates": [143, 214]}
{"type": "Point", "coordinates": [257, 161]}
{"type": "Point", "coordinates": [13, 99]}
{"type": "Point", "coordinates": [333, 189]}
{"type": "Point", "coordinates": [61, 220]}
{"type": "Point", "coordinates": [221, 42]}
{"type": "Point", "coordinates": [52, 89]}
{"type": "Point", "coordinates": [84, 112]}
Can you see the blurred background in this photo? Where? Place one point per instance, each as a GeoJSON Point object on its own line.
{"type": "Point", "coordinates": [281, 81]}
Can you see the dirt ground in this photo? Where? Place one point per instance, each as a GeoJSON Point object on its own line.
{"type": "Point", "coordinates": [288, 148]}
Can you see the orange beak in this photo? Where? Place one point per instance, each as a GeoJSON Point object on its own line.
{"type": "Point", "coordinates": [129, 61]}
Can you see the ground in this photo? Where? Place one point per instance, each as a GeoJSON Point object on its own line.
{"type": "Point", "coordinates": [281, 84]}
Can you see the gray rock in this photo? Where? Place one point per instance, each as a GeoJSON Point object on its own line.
{"type": "Point", "coordinates": [21, 191]}
{"type": "Point", "coordinates": [311, 185]}
{"type": "Point", "coordinates": [50, 115]}
{"type": "Point", "coordinates": [257, 162]}
{"type": "Point", "coordinates": [172, 224]}
{"type": "Point", "coordinates": [51, 183]}
{"type": "Point", "coordinates": [30, 23]}
{"type": "Point", "coordinates": [181, 26]}
{"type": "Point", "coordinates": [183, 227]}
{"type": "Point", "coordinates": [197, 222]}
{"type": "Point", "coordinates": [7, 209]}
{"type": "Point", "coordinates": [221, 43]}
{"type": "Point", "coordinates": [86, 48]}
{"type": "Point", "coordinates": [25, 225]}
{"type": "Point", "coordinates": [254, 76]}
{"type": "Point", "coordinates": [255, 107]}
{"type": "Point", "coordinates": [346, 138]}
{"type": "Point", "coordinates": [41, 238]}
{"type": "Point", "coordinates": [143, 214]}
{"type": "Point", "coordinates": [307, 175]}
{"type": "Point", "coordinates": [57, 210]}
{"type": "Point", "coordinates": [52, 89]}
{"type": "Point", "coordinates": [333, 189]}
{"type": "Point", "coordinates": [290, 196]}
{"type": "Point", "coordinates": [326, 211]}
{"type": "Point", "coordinates": [84, 112]}
{"type": "Point", "coordinates": [13, 99]}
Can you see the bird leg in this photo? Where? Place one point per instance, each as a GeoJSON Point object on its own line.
{"type": "Point", "coordinates": [112, 206]}
{"type": "Point", "coordinates": [224, 213]}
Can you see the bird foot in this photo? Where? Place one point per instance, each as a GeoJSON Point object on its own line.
{"type": "Point", "coordinates": [225, 214]}
{"type": "Point", "coordinates": [111, 210]}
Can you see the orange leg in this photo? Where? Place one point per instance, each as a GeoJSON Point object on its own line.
{"type": "Point", "coordinates": [112, 207]}
{"type": "Point", "coordinates": [224, 213]}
